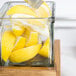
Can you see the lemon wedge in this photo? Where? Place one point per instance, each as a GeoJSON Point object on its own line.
{"type": "Point", "coordinates": [33, 39]}
{"type": "Point", "coordinates": [20, 9]}
{"type": "Point", "coordinates": [43, 11]}
{"type": "Point", "coordinates": [17, 30]}
{"type": "Point", "coordinates": [20, 43]}
{"type": "Point", "coordinates": [45, 50]}
{"type": "Point", "coordinates": [27, 32]}
{"type": "Point", "coordinates": [31, 21]}
{"type": "Point", "coordinates": [8, 41]}
{"type": "Point", "coordinates": [24, 54]}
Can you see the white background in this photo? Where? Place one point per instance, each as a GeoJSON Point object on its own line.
{"type": "Point", "coordinates": [65, 8]}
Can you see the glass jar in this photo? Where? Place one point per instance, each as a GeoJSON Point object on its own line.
{"type": "Point", "coordinates": [26, 41]}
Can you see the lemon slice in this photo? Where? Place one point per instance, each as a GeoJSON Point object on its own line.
{"type": "Point", "coordinates": [8, 41]}
{"type": "Point", "coordinates": [42, 29]}
{"type": "Point", "coordinates": [24, 54]}
{"type": "Point", "coordinates": [43, 11]}
{"type": "Point", "coordinates": [17, 30]}
{"type": "Point", "coordinates": [45, 50]}
{"type": "Point", "coordinates": [33, 39]}
{"type": "Point", "coordinates": [20, 43]}
{"type": "Point", "coordinates": [20, 9]}
{"type": "Point", "coordinates": [31, 20]}
{"type": "Point", "coordinates": [27, 32]}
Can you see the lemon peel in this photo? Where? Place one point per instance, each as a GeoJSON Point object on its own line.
{"type": "Point", "coordinates": [20, 9]}
{"type": "Point", "coordinates": [20, 43]}
{"type": "Point", "coordinates": [8, 41]}
{"type": "Point", "coordinates": [17, 30]}
{"type": "Point", "coordinates": [40, 29]}
{"type": "Point", "coordinates": [33, 39]}
{"type": "Point", "coordinates": [45, 50]}
{"type": "Point", "coordinates": [24, 54]}
{"type": "Point", "coordinates": [43, 11]}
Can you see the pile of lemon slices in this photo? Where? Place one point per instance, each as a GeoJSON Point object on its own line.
{"type": "Point", "coordinates": [28, 37]}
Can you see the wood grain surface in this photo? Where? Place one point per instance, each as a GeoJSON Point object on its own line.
{"type": "Point", "coordinates": [27, 71]}
{"type": "Point", "coordinates": [35, 71]}
{"type": "Point", "coordinates": [57, 56]}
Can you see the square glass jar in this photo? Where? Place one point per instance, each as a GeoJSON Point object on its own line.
{"type": "Point", "coordinates": [26, 41]}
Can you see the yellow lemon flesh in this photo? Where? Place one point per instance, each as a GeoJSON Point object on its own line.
{"type": "Point", "coordinates": [26, 0]}
{"type": "Point", "coordinates": [33, 39]}
{"type": "Point", "coordinates": [24, 54]}
{"type": "Point", "coordinates": [27, 32]}
{"type": "Point", "coordinates": [17, 30]}
{"type": "Point", "coordinates": [8, 41]}
{"type": "Point", "coordinates": [45, 50]}
{"type": "Point", "coordinates": [20, 43]}
{"type": "Point", "coordinates": [38, 25]}
{"type": "Point", "coordinates": [43, 30]}
{"type": "Point", "coordinates": [43, 11]}
{"type": "Point", "coordinates": [20, 9]}
{"type": "Point", "coordinates": [29, 22]}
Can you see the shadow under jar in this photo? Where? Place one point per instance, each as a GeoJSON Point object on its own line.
{"type": "Point", "coordinates": [26, 41]}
